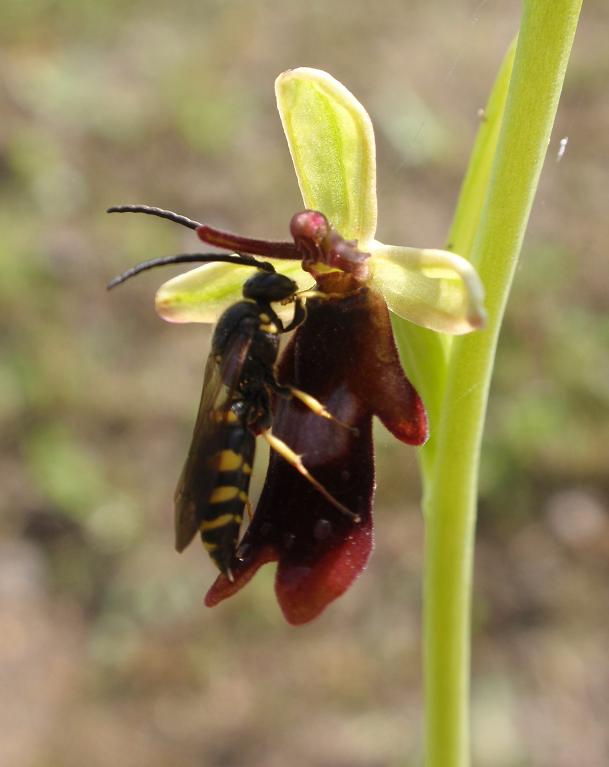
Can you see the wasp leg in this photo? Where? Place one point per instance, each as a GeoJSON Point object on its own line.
{"type": "Point", "coordinates": [300, 308]}
{"type": "Point", "coordinates": [248, 506]}
{"type": "Point", "coordinates": [316, 407]}
{"type": "Point", "coordinates": [300, 315]}
{"type": "Point", "coordinates": [295, 460]}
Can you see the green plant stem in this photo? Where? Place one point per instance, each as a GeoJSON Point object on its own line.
{"type": "Point", "coordinates": [424, 353]}
{"type": "Point", "coordinates": [544, 44]}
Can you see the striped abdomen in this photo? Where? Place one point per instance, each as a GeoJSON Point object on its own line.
{"type": "Point", "coordinates": [222, 522]}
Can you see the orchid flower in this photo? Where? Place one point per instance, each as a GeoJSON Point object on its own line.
{"type": "Point", "coordinates": [344, 355]}
{"type": "Point", "coordinates": [331, 141]}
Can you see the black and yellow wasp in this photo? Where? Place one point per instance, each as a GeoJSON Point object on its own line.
{"type": "Point", "coordinates": [236, 404]}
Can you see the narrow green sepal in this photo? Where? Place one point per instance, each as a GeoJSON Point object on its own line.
{"type": "Point", "coordinates": [433, 288]}
{"type": "Point", "coordinates": [202, 294]}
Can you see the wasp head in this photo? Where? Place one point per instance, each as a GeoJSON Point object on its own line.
{"type": "Point", "coordinates": [269, 286]}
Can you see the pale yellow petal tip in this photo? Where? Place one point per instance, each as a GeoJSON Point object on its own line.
{"type": "Point", "coordinates": [308, 73]}
{"type": "Point", "coordinates": [170, 308]}
{"type": "Point", "coordinates": [478, 319]}
{"type": "Point", "coordinates": [163, 305]}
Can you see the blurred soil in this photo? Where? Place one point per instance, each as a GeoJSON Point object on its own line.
{"type": "Point", "coordinates": [107, 655]}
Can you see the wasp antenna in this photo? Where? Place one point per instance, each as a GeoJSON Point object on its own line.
{"type": "Point", "coordinates": [191, 258]}
{"type": "Point", "coordinates": [150, 210]}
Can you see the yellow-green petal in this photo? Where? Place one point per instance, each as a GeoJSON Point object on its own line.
{"type": "Point", "coordinates": [202, 294]}
{"type": "Point", "coordinates": [332, 145]}
{"type": "Point", "coordinates": [434, 288]}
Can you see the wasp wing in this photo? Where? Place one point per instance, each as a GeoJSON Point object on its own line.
{"type": "Point", "coordinates": [198, 477]}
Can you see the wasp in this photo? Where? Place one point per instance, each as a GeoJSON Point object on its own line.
{"type": "Point", "coordinates": [239, 387]}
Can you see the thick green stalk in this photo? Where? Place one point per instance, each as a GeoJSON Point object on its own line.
{"type": "Point", "coordinates": [424, 353]}
{"type": "Point", "coordinates": [544, 44]}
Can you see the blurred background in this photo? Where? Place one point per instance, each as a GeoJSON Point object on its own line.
{"type": "Point", "coordinates": [107, 654]}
